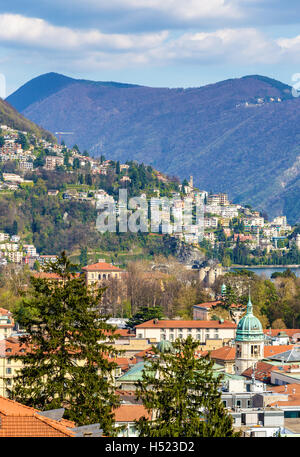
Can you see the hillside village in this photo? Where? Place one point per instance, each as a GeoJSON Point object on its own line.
{"type": "Point", "coordinates": [226, 232]}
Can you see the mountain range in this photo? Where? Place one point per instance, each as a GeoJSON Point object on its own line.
{"type": "Point", "coordinates": [239, 136]}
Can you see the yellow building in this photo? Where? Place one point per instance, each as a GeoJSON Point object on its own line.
{"type": "Point", "coordinates": [98, 272]}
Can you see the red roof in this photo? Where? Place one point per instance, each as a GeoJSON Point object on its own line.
{"type": "Point", "coordinates": [5, 312]}
{"type": "Point", "coordinates": [18, 420]}
{"type": "Point", "coordinates": [273, 350]}
{"type": "Point", "coordinates": [293, 400]}
{"type": "Point", "coordinates": [209, 304]}
{"type": "Point", "coordinates": [262, 371]}
{"type": "Point", "coordinates": [130, 413]}
{"type": "Point", "coordinates": [287, 388]}
{"type": "Point", "coordinates": [212, 304]}
{"type": "Point", "coordinates": [289, 331]}
{"type": "Point", "coordinates": [48, 275]}
{"type": "Point", "coordinates": [101, 266]}
{"type": "Point", "coordinates": [223, 353]}
{"type": "Point", "coordinates": [122, 362]}
{"type": "Point", "coordinates": [145, 353]}
{"type": "Point", "coordinates": [228, 352]}
{"type": "Point", "coordinates": [155, 323]}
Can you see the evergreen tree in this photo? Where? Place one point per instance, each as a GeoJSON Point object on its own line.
{"type": "Point", "coordinates": [22, 140]}
{"type": "Point", "coordinates": [230, 296]}
{"type": "Point", "coordinates": [83, 258]}
{"type": "Point", "coordinates": [67, 360]}
{"type": "Point", "coordinates": [182, 394]}
{"type": "Point", "coordinates": [145, 314]}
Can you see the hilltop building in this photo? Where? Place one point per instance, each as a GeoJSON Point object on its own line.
{"type": "Point", "coordinates": [101, 271]}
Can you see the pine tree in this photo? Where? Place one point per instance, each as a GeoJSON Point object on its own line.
{"type": "Point", "coordinates": [181, 392]}
{"type": "Point", "coordinates": [83, 258]}
{"type": "Point", "coordinates": [230, 297]}
{"type": "Point", "coordinates": [69, 346]}
{"type": "Point", "coordinates": [144, 314]}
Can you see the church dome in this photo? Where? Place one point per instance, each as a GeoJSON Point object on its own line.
{"type": "Point", "coordinates": [249, 327]}
{"type": "Point", "coordinates": [165, 346]}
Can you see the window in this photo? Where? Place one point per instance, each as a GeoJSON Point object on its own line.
{"type": "Point", "coordinates": [225, 403]}
{"type": "Point", "coordinates": [255, 350]}
{"type": "Point", "coordinates": [8, 370]}
{"type": "Point", "coordinates": [238, 403]}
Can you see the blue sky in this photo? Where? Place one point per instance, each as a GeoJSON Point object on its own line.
{"type": "Point", "coordinates": [170, 43]}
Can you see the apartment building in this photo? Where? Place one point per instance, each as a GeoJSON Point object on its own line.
{"type": "Point", "coordinates": [199, 330]}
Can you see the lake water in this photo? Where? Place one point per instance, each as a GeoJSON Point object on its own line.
{"type": "Point", "coordinates": [267, 271]}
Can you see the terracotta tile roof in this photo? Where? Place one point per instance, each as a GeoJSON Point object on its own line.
{"type": "Point", "coordinates": [152, 323]}
{"type": "Point", "coordinates": [262, 372]}
{"type": "Point", "coordinates": [287, 388]}
{"type": "Point", "coordinates": [120, 332]}
{"type": "Point", "coordinates": [289, 331]}
{"type": "Point", "coordinates": [223, 353]}
{"type": "Point", "coordinates": [101, 266]}
{"type": "Point", "coordinates": [212, 304]}
{"type": "Point", "coordinates": [145, 353]}
{"type": "Point", "coordinates": [122, 362]}
{"type": "Point", "coordinates": [293, 400]}
{"type": "Point", "coordinates": [17, 420]}
{"type": "Point", "coordinates": [288, 368]}
{"type": "Point", "coordinates": [5, 312]}
{"type": "Point", "coordinates": [130, 413]}
{"type": "Point", "coordinates": [47, 275]}
{"type": "Point", "coordinates": [11, 346]}
{"type": "Point", "coordinates": [125, 332]}
{"type": "Point", "coordinates": [273, 350]}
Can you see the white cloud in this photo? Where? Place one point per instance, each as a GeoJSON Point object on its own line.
{"type": "Point", "coordinates": [39, 33]}
{"type": "Point", "coordinates": [188, 9]}
{"type": "Point", "coordinates": [91, 48]}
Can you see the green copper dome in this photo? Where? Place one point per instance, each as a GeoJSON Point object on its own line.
{"type": "Point", "coordinates": [249, 327]}
{"type": "Point", "coordinates": [165, 346]}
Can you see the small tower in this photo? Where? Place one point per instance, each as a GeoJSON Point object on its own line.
{"type": "Point", "coordinates": [223, 291]}
{"type": "Point", "coordinates": [249, 341]}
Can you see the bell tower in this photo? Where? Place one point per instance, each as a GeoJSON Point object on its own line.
{"type": "Point", "coordinates": [249, 341]}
